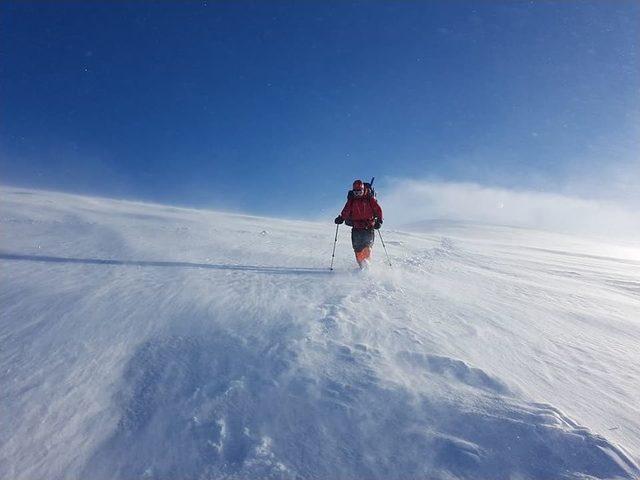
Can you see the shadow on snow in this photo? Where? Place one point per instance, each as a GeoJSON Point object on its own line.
{"type": "Point", "coordinates": [153, 263]}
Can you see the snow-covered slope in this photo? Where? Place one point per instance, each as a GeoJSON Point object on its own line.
{"type": "Point", "coordinates": [144, 341]}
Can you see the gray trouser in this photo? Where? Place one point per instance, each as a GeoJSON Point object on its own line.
{"type": "Point", "coordinates": [361, 238]}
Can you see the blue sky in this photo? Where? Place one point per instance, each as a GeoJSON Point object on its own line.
{"type": "Point", "coordinates": [274, 107]}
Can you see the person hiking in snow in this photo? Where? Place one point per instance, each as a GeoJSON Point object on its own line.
{"type": "Point", "coordinates": [363, 214]}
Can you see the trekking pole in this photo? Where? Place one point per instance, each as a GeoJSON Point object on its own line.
{"type": "Point", "coordinates": [333, 255]}
{"type": "Point", "coordinates": [385, 248]}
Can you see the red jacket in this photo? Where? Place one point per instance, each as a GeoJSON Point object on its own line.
{"type": "Point", "coordinates": [361, 212]}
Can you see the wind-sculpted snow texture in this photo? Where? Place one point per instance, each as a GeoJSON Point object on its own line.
{"type": "Point", "coordinates": [142, 341]}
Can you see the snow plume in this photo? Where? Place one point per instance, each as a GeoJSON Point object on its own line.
{"type": "Point", "coordinates": [410, 201]}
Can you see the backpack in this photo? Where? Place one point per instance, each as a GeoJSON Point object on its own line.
{"type": "Point", "coordinates": [369, 191]}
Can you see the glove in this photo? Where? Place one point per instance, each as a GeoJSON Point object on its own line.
{"type": "Point", "coordinates": [339, 220]}
{"type": "Point", "coordinates": [378, 224]}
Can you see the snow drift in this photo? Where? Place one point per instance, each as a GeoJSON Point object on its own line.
{"type": "Point", "coordinates": [145, 341]}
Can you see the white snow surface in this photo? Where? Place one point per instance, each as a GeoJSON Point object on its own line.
{"type": "Point", "coordinates": [147, 341]}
